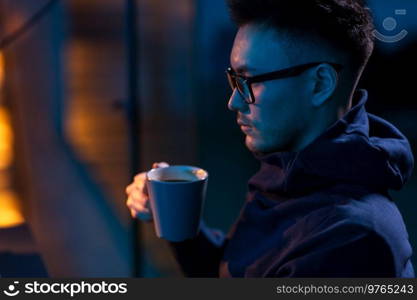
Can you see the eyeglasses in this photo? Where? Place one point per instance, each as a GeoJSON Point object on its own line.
{"type": "Point", "coordinates": [244, 84]}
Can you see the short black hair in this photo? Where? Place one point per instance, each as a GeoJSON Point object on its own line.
{"type": "Point", "coordinates": [345, 24]}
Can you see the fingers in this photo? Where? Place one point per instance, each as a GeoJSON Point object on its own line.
{"type": "Point", "coordinates": [139, 209]}
{"type": "Point", "coordinates": [138, 200]}
{"type": "Point", "coordinates": [160, 165]}
{"type": "Point", "coordinates": [140, 179]}
{"type": "Point", "coordinates": [130, 188]}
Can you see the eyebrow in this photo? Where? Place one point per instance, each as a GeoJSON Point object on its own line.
{"type": "Point", "coordinates": [243, 69]}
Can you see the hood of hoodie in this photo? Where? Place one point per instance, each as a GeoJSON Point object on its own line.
{"type": "Point", "coordinates": [359, 149]}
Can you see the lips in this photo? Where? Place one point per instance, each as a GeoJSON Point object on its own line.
{"type": "Point", "coordinates": [245, 129]}
{"type": "Point", "coordinates": [244, 126]}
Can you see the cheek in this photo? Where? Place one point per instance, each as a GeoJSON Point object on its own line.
{"type": "Point", "coordinates": [259, 91]}
{"type": "Point", "coordinates": [268, 110]}
{"type": "Point", "coordinates": [275, 118]}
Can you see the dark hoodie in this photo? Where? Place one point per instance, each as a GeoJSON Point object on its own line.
{"type": "Point", "coordinates": [322, 212]}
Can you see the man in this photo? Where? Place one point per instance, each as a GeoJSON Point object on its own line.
{"type": "Point", "coordinates": [319, 205]}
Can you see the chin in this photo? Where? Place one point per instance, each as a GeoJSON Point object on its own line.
{"type": "Point", "coordinates": [258, 146]}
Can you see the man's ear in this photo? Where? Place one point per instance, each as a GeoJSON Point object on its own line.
{"type": "Point", "coordinates": [326, 79]}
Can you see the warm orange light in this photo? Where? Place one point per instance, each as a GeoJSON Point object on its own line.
{"type": "Point", "coordinates": [1, 69]}
{"type": "Point", "coordinates": [6, 140]}
{"type": "Point", "coordinates": [10, 213]}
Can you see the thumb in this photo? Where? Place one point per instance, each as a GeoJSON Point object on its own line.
{"type": "Point", "coordinates": [160, 165]}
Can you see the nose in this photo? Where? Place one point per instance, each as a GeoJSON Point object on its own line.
{"type": "Point", "coordinates": [237, 103]}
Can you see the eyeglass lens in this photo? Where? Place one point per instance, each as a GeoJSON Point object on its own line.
{"type": "Point", "coordinates": [240, 85]}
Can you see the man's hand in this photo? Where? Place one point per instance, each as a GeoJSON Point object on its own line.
{"type": "Point", "coordinates": [138, 198]}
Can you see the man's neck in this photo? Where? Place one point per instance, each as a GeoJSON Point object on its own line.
{"type": "Point", "coordinates": [323, 120]}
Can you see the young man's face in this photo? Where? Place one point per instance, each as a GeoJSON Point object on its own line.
{"type": "Point", "coordinates": [280, 114]}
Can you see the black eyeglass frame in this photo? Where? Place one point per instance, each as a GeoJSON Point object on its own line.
{"type": "Point", "coordinates": [285, 73]}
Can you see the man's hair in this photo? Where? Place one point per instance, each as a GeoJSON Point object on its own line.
{"type": "Point", "coordinates": [346, 25]}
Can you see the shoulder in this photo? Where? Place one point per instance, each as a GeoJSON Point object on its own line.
{"type": "Point", "coordinates": [373, 212]}
{"type": "Point", "coordinates": [367, 231]}
{"type": "Point", "coordinates": [338, 253]}
{"type": "Point", "coordinates": [348, 218]}
{"type": "Point", "coordinates": [339, 240]}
